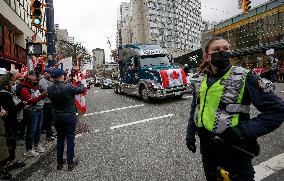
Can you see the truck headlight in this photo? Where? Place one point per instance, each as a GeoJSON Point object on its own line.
{"type": "Point", "coordinates": [156, 85]}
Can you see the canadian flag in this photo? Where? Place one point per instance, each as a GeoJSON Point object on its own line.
{"type": "Point", "coordinates": [24, 70]}
{"type": "Point", "coordinates": [80, 99]}
{"type": "Point", "coordinates": [173, 77]}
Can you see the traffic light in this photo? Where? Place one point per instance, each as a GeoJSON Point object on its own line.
{"type": "Point", "coordinates": [246, 6]}
{"type": "Point", "coordinates": [36, 13]}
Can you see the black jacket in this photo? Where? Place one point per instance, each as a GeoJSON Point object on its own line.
{"type": "Point", "coordinates": [267, 102]}
{"type": "Point", "coordinates": [62, 97]}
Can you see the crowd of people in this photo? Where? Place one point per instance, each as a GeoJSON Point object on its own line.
{"type": "Point", "coordinates": [27, 112]}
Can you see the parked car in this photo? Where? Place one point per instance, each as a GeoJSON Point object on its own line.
{"type": "Point", "coordinates": [106, 83]}
{"type": "Point", "coordinates": [91, 80]}
{"type": "Point", "coordinates": [97, 82]}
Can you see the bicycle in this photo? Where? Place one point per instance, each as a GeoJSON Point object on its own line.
{"type": "Point", "coordinates": [222, 174]}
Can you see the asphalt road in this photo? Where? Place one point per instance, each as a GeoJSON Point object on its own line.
{"type": "Point", "coordinates": [127, 139]}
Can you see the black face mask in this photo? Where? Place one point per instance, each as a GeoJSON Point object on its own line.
{"type": "Point", "coordinates": [220, 59]}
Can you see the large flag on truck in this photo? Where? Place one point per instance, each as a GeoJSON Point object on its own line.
{"type": "Point", "coordinates": [173, 77]}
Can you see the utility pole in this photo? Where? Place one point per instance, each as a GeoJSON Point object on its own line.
{"type": "Point", "coordinates": [51, 51]}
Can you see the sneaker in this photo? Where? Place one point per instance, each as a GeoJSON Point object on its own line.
{"type": "Point", "coordinates": [5, 175]}
{"type": "Point", "coordinates": [31, 153]}
{"type": "Point", "coordinates": [72, 165]}
{"type": "Point", "coordinates": [51, 138]}
{"type": "Point", "coordinates": [16, 165]}
{"type": "Point", "coordinates": [60, 164]}
{"type": "Point", "coordinates": [39, 149]}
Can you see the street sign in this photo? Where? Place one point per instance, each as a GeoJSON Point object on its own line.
{"type": "Point", "coordinates": [34, 49]}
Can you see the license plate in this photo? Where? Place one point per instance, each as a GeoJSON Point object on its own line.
{"type": "Point", "coordinates": [177, 93]}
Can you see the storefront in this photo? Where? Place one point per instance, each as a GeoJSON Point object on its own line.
{"type": "Point", "coordinates": [10, 53]}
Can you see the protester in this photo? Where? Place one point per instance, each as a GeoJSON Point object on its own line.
{"type": "Point", "coordinates": [186, 69]}
{"type": "Point", "coordinates": [62, 97]}
{"type": "Point", "coordinates": [12, 106]}
{"type": "Point", "coordinates": [220, 114]}
{"type": "Point", "coordinates": [4, 152]}
{"type": "Point", "coordinates": [19, 78]}
{"type": "Point", "coordinates": [31, 94]}
{"type": "Point", "coordinates": [44, 83]}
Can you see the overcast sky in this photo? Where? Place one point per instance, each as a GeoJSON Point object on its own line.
{"type": "Point", "coordinates": [92, 21]}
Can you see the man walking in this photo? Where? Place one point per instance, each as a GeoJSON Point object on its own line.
{"type": "Point", "coordinates": [62, 97]}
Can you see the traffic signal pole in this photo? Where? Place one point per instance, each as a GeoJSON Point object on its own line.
{"type": "Point", "coordinates": [51, 51]}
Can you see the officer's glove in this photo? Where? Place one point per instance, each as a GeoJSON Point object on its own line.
{"type": "Point", "coordinates": [234, 135]}
{"type": "Point", "coordinates": [190, 143]}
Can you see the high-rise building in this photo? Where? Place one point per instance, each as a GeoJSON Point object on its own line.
{"type": "Point", "coordinates": [174, 25]}
{"type": "Point", "coordinates": [15, 30]}
{"type": "Point", "coordinates": [62, 34]}
{"type": "Point", "coordinates": [98, 57]}
{"type": "Point", "coordinates": [124, 34]}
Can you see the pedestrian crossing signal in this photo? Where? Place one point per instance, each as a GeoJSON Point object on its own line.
{"type": "Point", "coordinates": [36, 13]}
{"type": "Point", "coordinates": [246, 6]}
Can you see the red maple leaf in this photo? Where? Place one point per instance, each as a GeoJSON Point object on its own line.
{"type": "Point", "coordinates": [174, 75]}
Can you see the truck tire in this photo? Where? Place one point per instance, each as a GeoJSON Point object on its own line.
{"type": "Point", "coordinates": [144, 94]}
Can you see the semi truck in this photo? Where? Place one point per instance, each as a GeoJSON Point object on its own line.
{"type": "Point", "coordinates": [146, 70]}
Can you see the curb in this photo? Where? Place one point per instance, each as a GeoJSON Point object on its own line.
{"type": "Point", "coordinates": [32, 163]}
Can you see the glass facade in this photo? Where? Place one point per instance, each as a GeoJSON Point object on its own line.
{"type": "Point", "coordinates": [263, 29]}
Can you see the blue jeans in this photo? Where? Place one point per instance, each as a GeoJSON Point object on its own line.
{"type": "Point", "coordinates": [34, 120]}
{"type": "Point", "coordinates": [65, 126]}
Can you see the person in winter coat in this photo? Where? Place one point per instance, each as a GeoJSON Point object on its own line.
{"type": "Point", "coordinates": [62, 97]}
{"type": "Point", "coordinates": [12, 106]}
{"type": "Point", "coordinates": [33, 96]}
{"type": "Point", "coordinates": [44, 83]}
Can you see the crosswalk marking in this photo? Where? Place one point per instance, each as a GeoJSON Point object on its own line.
{"type": "Point", "coordinates": [269, 167]}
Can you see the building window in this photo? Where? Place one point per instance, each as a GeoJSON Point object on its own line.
{"type": "Point", "coordinates": [1, 39]}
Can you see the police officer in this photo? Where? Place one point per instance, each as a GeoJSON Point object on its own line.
{"type": "Point", "coordinates": [62, 97]}
{"type": "Point", "coordinates": [220, 114]}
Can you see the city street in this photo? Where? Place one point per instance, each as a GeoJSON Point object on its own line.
{"type": "Point", "coordinates": [128, 139]}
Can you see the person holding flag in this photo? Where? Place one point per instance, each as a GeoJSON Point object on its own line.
{"type": "Point", "coordinates": [62, 97]}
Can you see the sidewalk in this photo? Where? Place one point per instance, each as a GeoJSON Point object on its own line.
{"type": "Point", "coordinates": [50, 146]}
{"type": "Point", "coordinates": [31, 161]}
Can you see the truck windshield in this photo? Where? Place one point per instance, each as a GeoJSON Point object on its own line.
{"type": "Point", "coordinates": [154, 60]}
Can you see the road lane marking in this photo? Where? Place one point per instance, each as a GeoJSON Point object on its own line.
{"type": "Point", "coordinates": [128, 99]}
{"type": "Point", "coordinates": [112, 110]}
{"type": "Point", "coordinates": [96, 91]}
{"type": "Point", "coordinates": [142, 121]}
{"type": "Point", "coordinates": [269, 167]}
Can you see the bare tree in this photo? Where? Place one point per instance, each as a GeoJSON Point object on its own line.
{"type": "Point", "coordinates": [66, 49]}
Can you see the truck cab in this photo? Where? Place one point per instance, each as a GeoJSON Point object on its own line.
{"type": "Point", "coordinates": [147, 71]}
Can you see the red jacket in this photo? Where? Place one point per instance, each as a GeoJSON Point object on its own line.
{"type": "Point", "coordinates": [27, 95]}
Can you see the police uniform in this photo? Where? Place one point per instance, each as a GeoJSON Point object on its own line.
{"type": "Point", "coordinates": [220, 107]}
